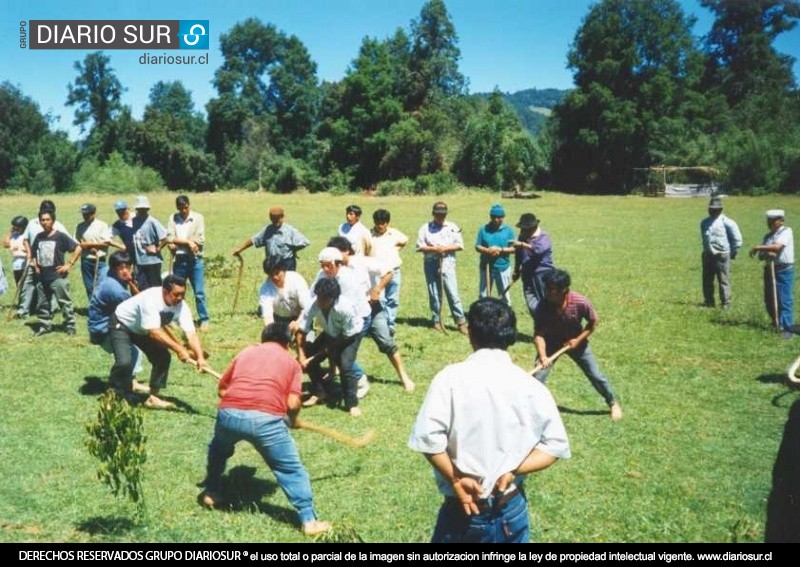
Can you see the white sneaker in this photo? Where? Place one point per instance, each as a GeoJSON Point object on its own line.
{"type": "Point", "coordinates": [363, 387]}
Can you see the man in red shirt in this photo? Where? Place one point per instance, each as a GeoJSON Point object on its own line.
{"type": "Point", "coordinates": [261, 392]}
{"type": "Point", "coordinates": [558, 322]}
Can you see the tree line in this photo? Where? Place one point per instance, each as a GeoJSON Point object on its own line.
{"type": "Point", "coordinates": [647, 93]}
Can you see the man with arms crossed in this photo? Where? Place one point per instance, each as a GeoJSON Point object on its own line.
{"type": "Point", "coordinates": [483, 426]}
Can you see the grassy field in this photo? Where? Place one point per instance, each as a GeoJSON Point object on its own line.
{"type": "Point", "coordinates": [704, 391]}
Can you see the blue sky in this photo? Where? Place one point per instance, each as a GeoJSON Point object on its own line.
{"type": "Point", "coordinates": [511, 44]}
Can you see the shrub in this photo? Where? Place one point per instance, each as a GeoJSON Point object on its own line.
{"type": "Point", "coordinates": [116, 176]}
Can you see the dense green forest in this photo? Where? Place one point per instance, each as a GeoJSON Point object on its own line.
{"type": "Point", "coordinates": [647, 92]}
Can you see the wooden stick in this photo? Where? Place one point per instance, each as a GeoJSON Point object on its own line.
{"type": "Point", "coordinates": [10, 314]}
{"type": "Point", "coordinates": [775, 319]}
{"type": "Point", "coordinates": [238, 283]}
{"type": "Point", "coordinates": [553, 358]}
{"type": "Point", "coordinates": [505, 291]}
{"type": "Point", "coordinates": [204, 369]}
{"type": "Point", "coordinates": [354, 442]}
{"type": "Point", "coordinates": [488, 276]}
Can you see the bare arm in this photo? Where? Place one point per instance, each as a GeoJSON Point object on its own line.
{"type": "Point", "coordinates": [242, 247]}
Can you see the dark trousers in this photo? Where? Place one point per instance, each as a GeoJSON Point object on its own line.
{"type": "Point", "coordinates": [148, 275]}
{"type": "Point", "coordinates": [344, 358]}
{"type": "Point", "coordinates": [121, 377]}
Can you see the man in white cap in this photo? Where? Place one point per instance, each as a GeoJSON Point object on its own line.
{"type": "Point", "coordinates": [149, 236]}
{"type": "Point", "coordinates": [721, 240]}
{"type": "Point", "coordinates": [777, 248]}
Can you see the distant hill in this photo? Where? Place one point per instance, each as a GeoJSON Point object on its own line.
{"type": "Point", "coordinates": [533, 106]}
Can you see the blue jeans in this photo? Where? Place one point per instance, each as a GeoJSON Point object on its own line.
{"type": "Point", "coordinates": [784, 282]}
{"type": "Point", "coordinates": [270, 437]}
{"type": "Point", "coordinates": [192, 268]}
{"type": "Point", "coordinates": [87, 273]}
{"type": "Point", "coordinates": [450, 283]}
{"type": "Point", "coordinates": [508, 524]}
{"type": "Point", "coordinates": [501, 279]}
{"type": "Point", "coordinates": [392, 298]}
{"type": "Point", "coordinates": [586, 361]}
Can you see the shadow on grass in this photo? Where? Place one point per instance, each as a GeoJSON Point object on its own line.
{"type": "Point", "coordinates": [96, 386]}
{"type": "Point", "coordinates": [742, 322]}
{"type": "Point", "coordinates": [106, 525]}
{"type": "Point", "coordinates": [243, 492]}
{"type": "Point", "coordinates": [571, 411]}
{"type": "Point", "coordinates": [772, 378]}
{"type": "Point", "coordinates": [783, 505]}
{"type": "Point", "coordinates": [415, 322]}
{"type": "Point", "coordinates": [93, 386]}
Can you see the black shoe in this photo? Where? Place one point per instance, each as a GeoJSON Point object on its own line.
{"type": "Point", "coordinates": [42, 331]}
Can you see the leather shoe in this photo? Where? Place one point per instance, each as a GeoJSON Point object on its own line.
{"type": "Point", "coordinates": [463, 329]}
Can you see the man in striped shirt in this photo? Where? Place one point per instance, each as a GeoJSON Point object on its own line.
{"type": "Point", "coordinates": [558, 322]}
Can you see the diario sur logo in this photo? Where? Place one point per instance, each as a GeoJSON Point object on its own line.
{"type": "Point", "coordinates": [118, 34]}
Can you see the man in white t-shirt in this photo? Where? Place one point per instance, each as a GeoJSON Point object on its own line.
{"type": "Point", "coordinates": [141, 320]}
{"type": "Point", "coordinates": [387, 242]}
{"type": "Point", "coordinates": [355, 231]}
{"type": "Point", "coordinates": [283, 295]}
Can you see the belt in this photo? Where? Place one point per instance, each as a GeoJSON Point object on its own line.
{"type": "Point", "coordinates": [492, 503]}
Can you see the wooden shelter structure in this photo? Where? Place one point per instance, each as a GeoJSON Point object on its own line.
{"type": "Point", "coordinates": [679, 181]}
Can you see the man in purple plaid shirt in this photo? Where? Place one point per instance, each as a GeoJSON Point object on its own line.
{"type": "Point", "coordinates": [558, 322]}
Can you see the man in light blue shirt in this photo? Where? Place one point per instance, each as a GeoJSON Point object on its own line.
{"type": "Point", "coordinates": [721, 241]}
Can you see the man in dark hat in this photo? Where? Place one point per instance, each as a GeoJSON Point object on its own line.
{"type": "Point", "coordinates": [534, 258]}
{"type": "Point", "coordinates": [721, 241]}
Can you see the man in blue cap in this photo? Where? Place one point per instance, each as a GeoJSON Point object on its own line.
{"type": "Point", "coordinates": [495, 244]}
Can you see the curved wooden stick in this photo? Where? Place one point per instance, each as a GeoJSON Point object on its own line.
{"type": "Point", "coordinates": [204, 369]}
{"type": "Point", "coordinates": [238, 283]}
{"type": "Point", "coordinates": [553, 358]}
{"type": "Point", "coordinates": [354, 442]}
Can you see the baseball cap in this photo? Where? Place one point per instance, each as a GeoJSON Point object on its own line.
{"type": "Point", "coordinates": [330, 254]}
{"type": "Point", "coordinates": [775, 214]}
{"type": "Point", "coordinates": [88, 208]}
{"type": "Point", "coordinates": [120, 205]}
{"type": "Point", "coordinates": [440, 208]}
{"type": "Point", "coordinates": [497, 210]}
